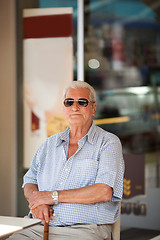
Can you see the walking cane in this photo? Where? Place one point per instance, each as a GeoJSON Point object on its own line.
{"type": "Point", "coordinates": [46, 227]}
{"type": "Point", "coordinates": [46, 230]}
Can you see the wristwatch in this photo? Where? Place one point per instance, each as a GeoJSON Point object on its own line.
{"type": "Point", "coordinates": [54, 195]}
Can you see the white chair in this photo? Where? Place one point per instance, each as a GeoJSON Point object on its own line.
{"type": "Point", "coordinates": [116, 226]}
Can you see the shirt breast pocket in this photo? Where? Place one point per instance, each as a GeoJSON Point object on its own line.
{"type": "Point", "coordinates": [84, 172]}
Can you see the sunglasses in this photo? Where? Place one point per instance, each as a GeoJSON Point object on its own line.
{"type": "Point", "coordinates": [83, 102]}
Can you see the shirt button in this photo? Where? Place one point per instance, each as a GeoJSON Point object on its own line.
{"type": "Point", "coordinates": [61, 183]}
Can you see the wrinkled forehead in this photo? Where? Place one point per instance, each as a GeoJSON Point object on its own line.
{"type": "Point", "coordinates": [77, 93]}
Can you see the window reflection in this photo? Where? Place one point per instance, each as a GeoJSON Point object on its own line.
{"type": "Point", "coordinates": [122, 62]}
{"type": "Point", "coordinates": [125, 45]}
{"type": "Point", "coordinates": [137, 120]}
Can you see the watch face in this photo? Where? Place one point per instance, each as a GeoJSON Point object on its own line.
{"type": "Point", "coordinates": [55, 193]}
{"type": "Point", "coordinates": [55, 197]}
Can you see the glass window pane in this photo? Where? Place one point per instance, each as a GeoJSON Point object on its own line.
{"type": "Point", "coordinates": [122, 62]}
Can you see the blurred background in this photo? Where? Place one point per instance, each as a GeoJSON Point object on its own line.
{"type": "Point", "coordinates": [121, 47]}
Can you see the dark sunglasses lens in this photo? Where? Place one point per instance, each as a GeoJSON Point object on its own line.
{"type": "Point", "coordinates": [68, 102]}
{"type": "Point", "coordinates": [83, 102]}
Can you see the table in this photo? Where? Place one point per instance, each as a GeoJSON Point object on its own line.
{"type": "Point", "coordinates": [9, 225]}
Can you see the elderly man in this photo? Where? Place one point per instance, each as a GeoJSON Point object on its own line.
{"type": "Point", "coordinates": [77, 173]}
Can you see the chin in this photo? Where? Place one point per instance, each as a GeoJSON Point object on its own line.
{"type": "Point", "coordinates": [75, 121]}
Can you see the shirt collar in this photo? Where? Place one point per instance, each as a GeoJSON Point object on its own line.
{"type": "Point", "coordinates": [64, 136]}
{"type": "Point", "coordinates": [91, 133]}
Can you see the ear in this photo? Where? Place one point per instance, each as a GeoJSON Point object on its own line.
{"type": "Point", "coordinates": [94, 108]}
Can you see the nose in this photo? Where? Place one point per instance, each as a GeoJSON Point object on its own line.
{"type": "Point", "coordinates": [75, 106]}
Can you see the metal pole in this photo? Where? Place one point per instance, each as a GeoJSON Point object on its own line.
{"type": "Point", "coordinates": [80, 41]}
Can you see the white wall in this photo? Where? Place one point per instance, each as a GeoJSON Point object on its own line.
{"type": "Point", "coordinates": [7, 108]}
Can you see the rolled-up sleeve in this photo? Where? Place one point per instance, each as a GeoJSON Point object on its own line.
{"type": "Point", "coordinates": [31, 175]}
{"type": "Point", "coordinates": [111, 167]}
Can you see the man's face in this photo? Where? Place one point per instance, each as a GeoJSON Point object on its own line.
{"type": "Point", "coordinates": [77, 114]}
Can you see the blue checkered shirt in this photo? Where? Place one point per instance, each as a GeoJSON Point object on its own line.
{"type": "Point", "coordinates": [98, 160]}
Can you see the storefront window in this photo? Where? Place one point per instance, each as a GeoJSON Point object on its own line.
{"type": "Point", "coordinates": [121, 43]}
{"type": "Point", "coordinates": [122, 62]}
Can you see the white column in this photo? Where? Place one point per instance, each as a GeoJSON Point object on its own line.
{"type": "Point", "coordinates": [80, 41]}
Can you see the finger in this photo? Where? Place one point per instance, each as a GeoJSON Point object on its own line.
{"type": "Point", "coordinates": [46, 214]}
{"type": "Point", "coordinates": [34, 205]}
{"type": "Point", "coordinates": [51, 211]}
{"type": "Point", "coordinates": [37, 214]}
{"type": "Point", "coordinates": [40, 215]}
{"type": "Point", "coordinates": [34, 214]}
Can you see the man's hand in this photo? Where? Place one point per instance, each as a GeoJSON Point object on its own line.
{"type": "Point", "coordinates": [43, 212]}
{"type": "Point", "coordinates": [38, 198]}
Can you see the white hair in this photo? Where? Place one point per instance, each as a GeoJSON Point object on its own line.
{"type": "Point", "coordinates": [81, 84]}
